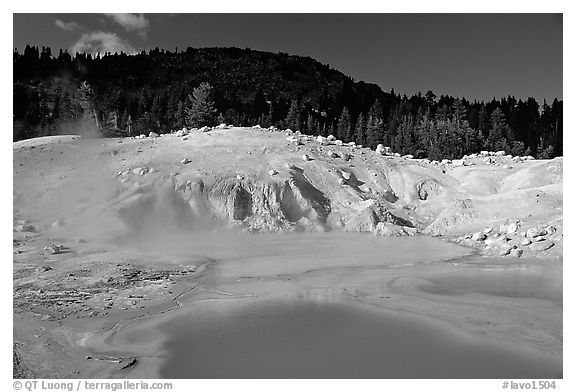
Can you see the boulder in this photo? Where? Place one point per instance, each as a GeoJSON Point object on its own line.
{"type": "Point", "coordinates": [26, 228]}
{"type": "Point", "coordinates": [484, 153]}
{"type": "Point", "coordinates": [506, 249]}
{"type": "Point", "coordinates": [538, 239]}
{"type": "Point", "coordinates": [272, 172]}
{"type": "Point", "coordinates": [533, 232]}
{"type": "Point", "coordinates": [305, 157]}
{"type": "Point", "coordinates": [516, 252]}
{"type": "Point", "coordinates": [338, 142]}
{"type": "Point", "coordinates": [330, 138]}
{"type": "Point", "coordinates": [346, 175]}
{"type": "Point", "coordinates": [380, 149]}
{"type": "Point", "coordinates": [222, 126]}
{"type": "Point", "coordinates": [487, 230]}
{"type": "Point", "coordinates": [445, 161]}
{"type": "Point", "coordinates": [458, 162]}
{"type": "Point", "coordinates": [346, 156]}
{"type": "Point", "coordinates": [152, 134]}
{"type": "Point", "coordinates": [43, 268]}
{"type": "Point", "coordinates": [54, 249]}
{"type": "Point", "coordinates": [322, 140]}
{"type": "Point", "coordinates": [185, 161]}
{"type": "Point", "coordinates": [550, 230]}
{"type": "Point", "coordinates": [500, 153]}
{"type": "Point", "coordinates": [525, 242]}
{"type": "Point", "coordinates": [512, 228]}
{"type": "Point", "coordinates": [331, 154]}
{"type": "Point", "coordinates": [478, 236]}
{"type": "Point", "coordinates": [541, 246]}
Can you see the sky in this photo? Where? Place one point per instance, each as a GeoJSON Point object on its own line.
{"type": "Point", "coordinates": [476, 56]}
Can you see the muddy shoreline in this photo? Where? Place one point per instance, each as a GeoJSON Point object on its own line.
{"type": "Point", "coordinates": [102, 346]}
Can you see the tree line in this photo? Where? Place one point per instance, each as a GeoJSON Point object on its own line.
{"type": "Point", "coordinates": [161, 91]}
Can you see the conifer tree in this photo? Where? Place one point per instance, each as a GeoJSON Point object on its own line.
{"type": "Point", "coordinates": [361, 130]}
{"type": "Point", "coordinates": [344, 124]}
{"type": "Point", "coordinates": [200, 110]}
{"type": "Point", "coordinates": [293, 117]}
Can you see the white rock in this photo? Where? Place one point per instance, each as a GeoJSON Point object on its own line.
{"type": "Point", "coordinates": [272, 172]}
{"type": "Point", "coordinates": [338, 142]}
{"type": "Point", "coordinates": [305, 157]}
{"type": "Point", "coordinates": [331, 138]}
{"type": "Point", "coordinates": [458, 162]}
{"type": "Point", "coordinates": [346, 175]}
{"type": "Point", "coordinates": [322, 140]}
{"type": "Point", "coordinates": [512, 228]}
{"type": "Point", "coordinates": [516, 252]}
{"type": "Point", "coordinates": [484, 153]}
{"type": "Point", "coordinates": [541, 246]}
{"type": "Point", "coordinates": [533, 232]}
{"type": "Point", "coordinates": [500, 153]}
{"type": "Point", "coordinates": [525, 242]}
{"type": "Point", "coordinates": [478, 236]}
{"type": "Point", "coordinates": [152, 134]}
{"type": "Point", "coordinates": [185, 161]}
{"type": "Point", "coordinates": [487, 230]}
{"type": "Point", "coordinates": [222, 126]}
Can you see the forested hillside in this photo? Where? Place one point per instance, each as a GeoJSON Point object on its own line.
{"type": "Point", "coordinates": [118, 94]}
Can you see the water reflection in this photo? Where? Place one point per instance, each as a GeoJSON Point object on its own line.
{"type": "Point", "coordinates": [307, 338]}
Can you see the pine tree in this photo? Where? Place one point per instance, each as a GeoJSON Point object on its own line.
{"type": "Point", "coordinates": [361, 130]}
{"type": "Point", "coordinates": [180, 116]}
{"type": "Point", "coordinates": [344, 125]}
{"type": "Point", "coordinates": [496, 140]}
{"type": "Point", "coordinates": [375, 126]}
{"type": "Point", "coordinates": [89, 103]}
{"type": "Point", "coordinates": [292, 120]}
{"type": "Point", "coordinates": [200, 110]}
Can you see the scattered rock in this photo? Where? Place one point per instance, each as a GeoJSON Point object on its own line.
{"type": "Point", "coordinates": [43, 268]}
{"type": "Point", "coordinates": [550, 230]}
{"type": "Point", "coordinates": [478, 236]}
{"type": "Point", "coordinates": [505, 249]}
{"type": "Point", "coordinates": [512, 228]}
{"type": "Point", "coordinates": [516, 252]}
{"type": "Point", "coordinates": [541, 246]}
{"type": "Point", "coordinates": [26, 228]}
{"type": "Point", "coordinates": [533, 232]}
{"type": "Point", "coordinates": [54, 249]}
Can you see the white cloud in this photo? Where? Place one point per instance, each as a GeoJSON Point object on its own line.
{"type": "Point", "coordinates": [68, 26]}
{"type": "Point", "coordinates": [132, 22]}
{"type": "Point", "coordinates": [101, 42]}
